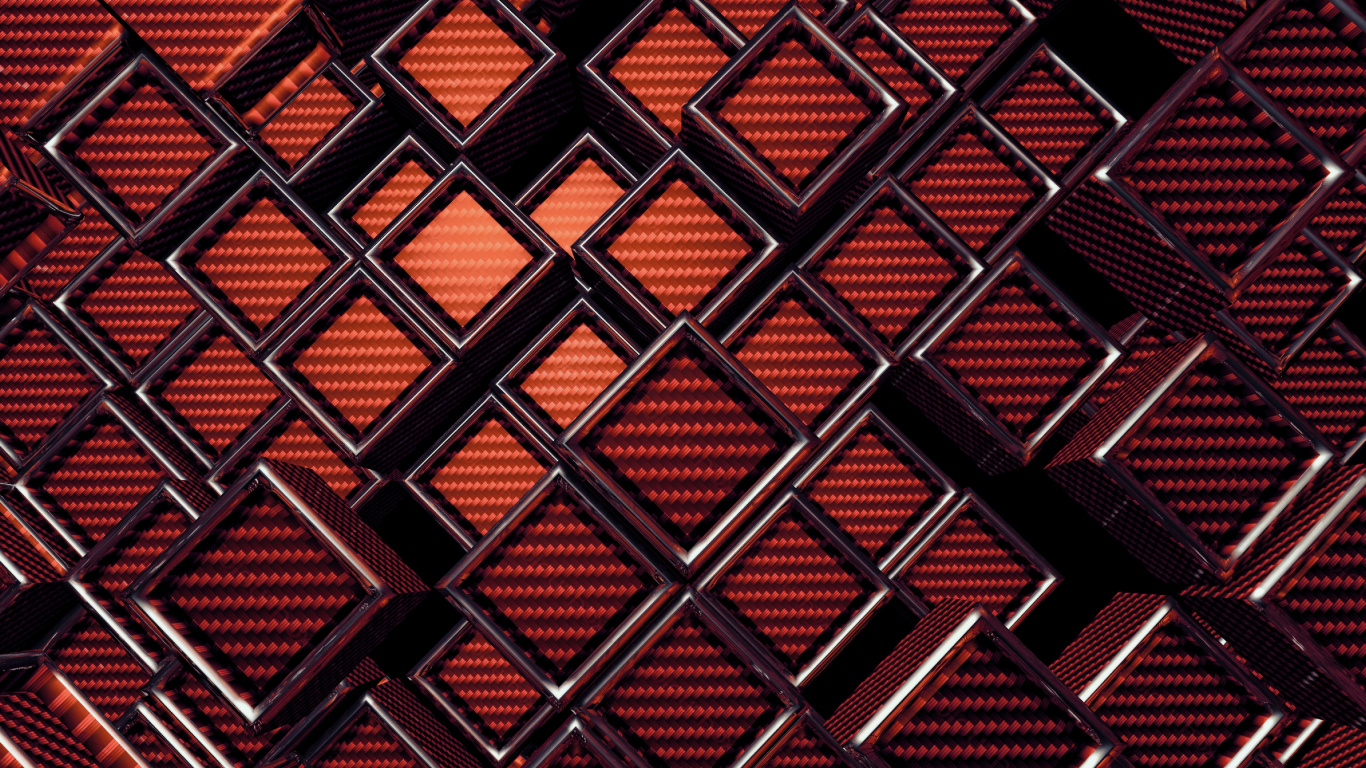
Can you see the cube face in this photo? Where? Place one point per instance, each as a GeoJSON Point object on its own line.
{"type": "Point", "coordinates": [988, 32]}
{"type": "Point", "coordinates": [576, 190]}
{"type": "Point", "coordinates": [676, 243]}
{"type": "Point", "coordinates": [1043, 358]}
{"type": "Point", "coordinates": [713, 684]}
{"type": "Point", "coordinates": [1285, 172]}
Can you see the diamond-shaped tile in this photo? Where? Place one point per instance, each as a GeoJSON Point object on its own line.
{"type": "Point", "coordinates": [986, 350]}
{"type": "Point", "coordinates": [138, 174]}
{"type": "Point", "coordinates": [288, 569]}
{"type": "Point", "coordinates": [804, 748]}
{"type": "Point", "coordinates": [1289, 300]}
{"type": "Point", "coordinates": [888, 267]}
{"type": "Point", "coordinates": [317, 110]}
{"type": "Point", "coordinates": [793, 589]}
{"type": "Point", "coordinates": [686, 443]}
{"type": "Point", "coordinates": [957, 35]}
{"type": "Point", "coordinates": [76, 249]}
{"type": "Point", "coordinates": [1215, 139]}
{"type": "Point", "coordinates": [874, 484]}
{"type": "Point", "coordinates": [484, 687]}
{"type": "Point", "coordinates": [890, 56]}
{"type": "Point", "coordinates": [972, 554]}
{"type": "Point", "coordinates": [749, 16]}
{"type": "Point", "coordinates": [399, 189]}
{"type": "Point", "coordinates": [463, 258]}
{"type": "Point", "coordinates": [367, 741]}
{"type": "Point", "coordinates": [42, 380]}
{"type": "Point", "coordinates": [1311, 69]}
{"type": "Point", "coordinates": [361, 363]}
{"type": "Point", "coordinates": [260, 265]}
{"type": "Point", "coordinates": [1051, 115]}
{"type": "Point", "coordinates": [194, 384]}
{"type": "Point", "coordinates": [40, 57]}
{"type": "Point", "coordinates": [689, 56]}
{"type": "Point", "coordinates": [558, 583]}
{"type": "Point", "coordinates": [1342, 220]}
{"type": "Point", "coordinates": [96, 478]}
{"type": "Point", "coordinates": [689, 701]}
{"type": "Point", "coordinates": [482, 472]}
{"type": "Point", "coordinates": [570, 372]}
{"type": "Point", "coordinates": [1327, 385]}
{"type": "Point", "coordinates": [805, 358]}
{"type": "Point", "coordinates": [135, 303]}
{"type": "Point", "coordinates": [1206, 424]}
{"type": "Point", "coordinates": [99, 666]}
{"type": "Point", "coordinates": [466, 61]}
{"type": "Point", "coordinates": [795, 112]}
{"type": "Point", "coordinates": [999, 187]}
{"type": "Point", "coordinates": [576, 202]}
{"type": "Point", "coordinates": [300, 443]}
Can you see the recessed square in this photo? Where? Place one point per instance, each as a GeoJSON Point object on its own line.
{"type": "Point", "coordinates": [794, 111]}
{"type": "Point", "coordinates": [577, 201]}
{"type": "Point", "coordinates": [484, 474]}
{"type": "Point", "coordinates": [978, 28]}
{"type": "Point", "coordinates": [573, 370]}
{"type": "Point", "coordinates": [42, 381]}
{"type": "Point", "coordinates": [137, 305]}
{"type": "Point", "coordinates": [793, 589]}
{"type": "Point", "coordinates": [466, 61]}
{"type": "Point", "coordinates": [311, 116]}
{"type": "Point", "coordinates": [667, 65]}
{"type": "Point", "coordinates": [976, 187]}
{"type": "Point", "coordinates": [138, 173]}
{"type": "Point", "coordinates": [397, 191]}
{"type": "Point", "coordinates": [463, 258]}
{"type": "Point", "coordinates": [559, 583]}
{"type": "Point", "coordinates": [679, 248]}
{"type": "Point", "coordinates": [1051, 116]}
{"type": "Point", "coordinates": [261, 264]}
{"type": "Point", "coordinates": [686, 443]}
{"type": "Point", "coordinates": [194, 389]}
{"type": "Point", "coordinates": [361, 363]}
{"type": "Point", "coordinates": [484, 687]}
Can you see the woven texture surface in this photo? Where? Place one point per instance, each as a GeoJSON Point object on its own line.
{"type": "Point", "coordinates": [682, 383]}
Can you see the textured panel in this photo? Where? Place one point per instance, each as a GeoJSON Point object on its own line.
{"type": "Point", "coordinates": [579, 200]}
{"type": "Point", "coordinates": [368, 743]}
{"type": "Point", "coordinates": [361, 363]}
{"type": "Point", "coordinates": [39, 734]}
{"type": "Point", "coordinates": [99, 667]}
{"type": "Point", "coordinates": [874, 490]}
{"type": "Point", "coordinates": [1201, 711]}
{"type": "Point", "coordinates": [1303, 64]}
{"type": "Point", "coordinates": [803, 749]}
{"type": "Point", "coordinates": [987, 353]}
{"type": "Point", "coordinates": [106, 475]}
{"type": "Point", "coordinates": [42, 383]}
{"type": "Point", "coordinates": [714, 450]}
{"type": "Point", "coordinates": [888, 273]}
{"type": "Point", "coordinates": [306, 120]}
{"type": "Point", "coordinates": [1209, 144]}
{"type": "Point", "coordinates": [793, 589]}
{"type": "Point", "coordinates": [1327, 601]}
{"type": "Point", "coordinates": [195, 392]}
{"type": "Point", "coordinates": [484, 686]}
{"type": "Point", "coordinates": [955, 34]}
{"type": "Point", "coordinates": [1294, 289]}
{"type": "Point", "coordinates": [260, 559]}
{"type": "Point", "coordinates": [1325, 384]}
{"type": "Point", "coordinates": [795, 112]}
{"type": "Point", "coordinates": [971, 560]}
{"type": "Point", "coordinates": [568, 376]}
{"type": "Point", "coordinates": [43, 44]}
{"type": "Point", "coordinates": [668, 65]}
{"type": "Point", "coordinates": [679, 248]}
{"type": "Point", "coordinates": [1050, 116]}
{"type": "Point", "coordinates": [139, 548]}
{"type": "Point", "coordinates": [486, 475]}
{"type": "Point", "coordinates": [1001, 189]}
{"type": "Point", "coordinates": [199, 45]}
{"type": "Point", "coordinates": [262, 264]}
{"type": "Point", "coordinates": [1209, 459]}
{"type": "Point", "coordinates": [298, 444]}
{"type": "Point", "coordinates": [401, 189]}
{"type": "Point", "coordinates": [558, 584]}
{"type": "Point", "coordinates": [466, 61]}
{"type": "Point", "coordinates": [802, 357]}
{"type": "Point", "coordinates": [139, 172]}
{"type": "Point", "coordinates": [138, 306]}
{"type": "Point", "coordinates": [463, 258]}
{"type": "Point", "coordinates": [984, 711]}
{"type": "Point", "coordinates": [892, 66]}
{"type": "Point", "coordinates": [80, 247]}
{"type": "Point", "coordinates": [690, 701]}
{"type": "Point", "coordinates": [749, 16]}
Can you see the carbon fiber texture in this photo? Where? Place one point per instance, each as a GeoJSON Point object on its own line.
{"type": "Point", "coordinates": [683, 384]}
